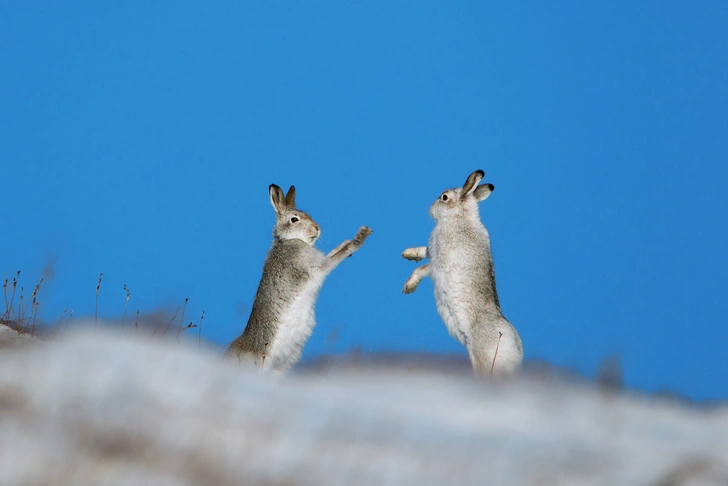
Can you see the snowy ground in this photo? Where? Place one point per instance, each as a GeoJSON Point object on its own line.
{"type": "Point", "coordinates": [99, 407]}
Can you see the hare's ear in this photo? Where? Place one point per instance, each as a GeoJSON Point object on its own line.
{"type": "Point", "coordinates": [472, 182]}
{"type": "Point", "coordinates": [277, 199]}
{"type": "Point", "coordinates": [291, 198]}
{"type": "Point", "coordinates": [482, 192]}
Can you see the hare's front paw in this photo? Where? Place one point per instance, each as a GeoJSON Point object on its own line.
{"type": "Point", "coordinates": [417, 276]}
{"type": "Point", "coordinates": [411, 285]}
{"type": "Point", "coordinates": [415, 254]}
{"type": "Point", "coordinates": [362, 235]}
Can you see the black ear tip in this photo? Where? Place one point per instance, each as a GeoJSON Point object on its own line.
{"type": "Point", "coordinates": [272, 187]}
{"type": "Point", "coordinates": [491, 187]}
{"type": "Point", "coordinates": [480, 173]}
{"type": "Point", "coordinates": [292, 188]}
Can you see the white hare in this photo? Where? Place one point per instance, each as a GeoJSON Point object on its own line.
{"type": "Point", "coordinates": [283, 315]}
{"type": "Point", "coordinates": [461, 268]}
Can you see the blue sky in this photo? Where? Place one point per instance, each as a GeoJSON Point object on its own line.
{"type": "Point", "coordinates": [139, 140]}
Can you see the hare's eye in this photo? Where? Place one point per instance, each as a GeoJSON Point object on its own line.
{"type": "Point", "coordinates": [444, 197]}
{"type": "Point", "coordinates": [294, 219]}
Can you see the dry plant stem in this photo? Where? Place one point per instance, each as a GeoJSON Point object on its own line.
{"type": "Point", "coordinates": [37, 288]}
{"type": "Point", "coordinates": [96, 314]}
{"type": "Point", "coordinates": [69, 319]}
{"type": "Point", "coordinates": [34, 311]}
{"type": "Point", "coordinates": [126, 306]}
{"type": "Point", "coordinates": [60, 321]}
{"type": "Point", "coordinates": [170, 321]}
{"type": "Point", "coordinates": [500, 335]}
{"type": "Point", "coordinates": [34, 305]}
{"type": "Point", "coordinates": [12, 296]}
{"type": "Point", "coordinates": [331, 363]}
{"type": "Point", "coordinates": [136, 324]}
{"type": "Point", "coordinates": [182, 317]}
{"type": "Point", "coordinates": [199, 331]}
{"type": "Point", "coordinates": [5, 294]}
{"type": "Point", "coordinates": [191, 325]}
{"type": "Point", "coordinates": [21, 307]}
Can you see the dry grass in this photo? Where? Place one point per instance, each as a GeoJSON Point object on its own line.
{"type": "Point", "coordinates": [22, 318]}
{"type": "Point", "coordinates": [21, 313]}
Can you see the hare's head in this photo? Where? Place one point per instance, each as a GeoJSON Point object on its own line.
{"type": "Point", "coordinates": [462, 202]}
{"type": "Point", "coordinates": [291, 223]}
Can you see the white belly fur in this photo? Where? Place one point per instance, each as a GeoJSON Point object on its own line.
{"type": "Point", "coordinates": [449, 290]}
{"type": "Point", "coordinates": [297, 323]}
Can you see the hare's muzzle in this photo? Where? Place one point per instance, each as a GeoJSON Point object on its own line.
{"type": "Point", "coordinates": [316, 233]}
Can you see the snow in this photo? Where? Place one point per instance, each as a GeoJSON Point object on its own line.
{"type": "Point", "coordinates": [101, 407]}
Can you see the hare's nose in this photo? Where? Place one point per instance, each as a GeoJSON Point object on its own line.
{"type": "Point", "coordinates": [316, 227]}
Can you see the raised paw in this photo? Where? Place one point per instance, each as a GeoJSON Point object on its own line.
{"type": "Point", "coordinates": [362, 235]}
{"type": "Point", "coordinates": [415, 254]}
{"type": "Point", "coordinates": [411, 285]}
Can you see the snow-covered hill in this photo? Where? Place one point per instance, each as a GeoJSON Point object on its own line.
{"type": "Point", "coordinates": [103, 408]}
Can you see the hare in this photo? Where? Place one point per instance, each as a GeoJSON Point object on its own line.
{"type": "Point", "coordinates": [283, 315]}
{"type": "Point", "coordinates": [461, 268]}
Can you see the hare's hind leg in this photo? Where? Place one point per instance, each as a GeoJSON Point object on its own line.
{"type": "Point", "coordinates": [495, 352]}
{"type": "Point", "coordinates": [418, 253]}
{"type": "Point", "coordinates": [414, 280]}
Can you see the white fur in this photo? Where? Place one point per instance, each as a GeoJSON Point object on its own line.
{"type": "Point", "coordinates": [283, 315]}
{"type": "Point", "coordinates": [460, 260]}
{"type": "Point", "coordinates": [449, 272]}
{"type": "Point", "coordinates": [296, 324]}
